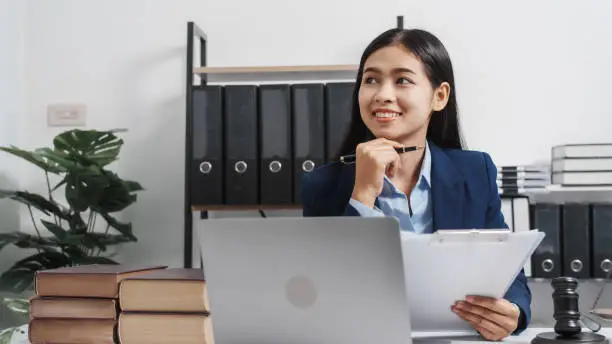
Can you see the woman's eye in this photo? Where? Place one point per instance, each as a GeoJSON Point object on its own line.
{"type": "Point", "coordinates": [370, 80]}
{"type": "Point", "coordinates": [404, 81]}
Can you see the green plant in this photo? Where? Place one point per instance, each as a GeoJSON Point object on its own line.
{"type": "Point", "coordinates": [78, 160]}
{"type": "Point", "coordinates": [19, 306]}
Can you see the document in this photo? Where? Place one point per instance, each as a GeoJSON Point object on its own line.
{"type": "Point", "coordinates": [448, 265]}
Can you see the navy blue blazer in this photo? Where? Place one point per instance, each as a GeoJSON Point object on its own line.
{"type": "Point", "coordinates": [464, 195]}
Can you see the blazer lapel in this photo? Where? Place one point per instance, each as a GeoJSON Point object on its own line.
{"type": "Point", "coordinates": [447, 190]}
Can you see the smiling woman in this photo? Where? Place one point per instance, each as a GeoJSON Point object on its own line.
{"type": "Point", "coordinates": [405, 97]}
{"type": "Point", "coordinates": [396, 98]}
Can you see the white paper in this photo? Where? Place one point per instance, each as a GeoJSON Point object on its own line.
{"type": "Point", "coordinates": [446, 266]}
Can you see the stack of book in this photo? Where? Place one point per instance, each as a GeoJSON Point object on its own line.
{"type": "Point", "coordinates": [520, 179]}
{"type": "Point", "coordinates": [586, 164]}
{"type": "Point", "coordinates": [78, 304]}
{"type": "Point", "coordinates": [165, 306]}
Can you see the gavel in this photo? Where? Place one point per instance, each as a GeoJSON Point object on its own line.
{"type": "Point", "coordinates": [567, 315]}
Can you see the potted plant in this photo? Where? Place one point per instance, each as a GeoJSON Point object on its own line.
{"type": "Point", "coordinates": [79, 230]}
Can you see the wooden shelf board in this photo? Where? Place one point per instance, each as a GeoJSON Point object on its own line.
{"type": "Point", "coordinates": [276, 69]}
{"type": "Point", "coordinates": [244, 207]}
{"type": "Point", "coordinates": [272, 74]}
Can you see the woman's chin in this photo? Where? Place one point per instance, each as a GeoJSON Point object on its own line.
{"type": "Point", "coordinates": [388, 134]}
{"type": "Point", "coordinates": [395, 133]}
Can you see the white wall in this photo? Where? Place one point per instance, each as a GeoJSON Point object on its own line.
{"type": "Point", "coordinates": [11, 81]}
{"type": "Point", "coordinates": [9, 67]}
{"type": "Point", "coordinates": [530, 75]}
{"type": "Point", "coordinates": [11, 55]}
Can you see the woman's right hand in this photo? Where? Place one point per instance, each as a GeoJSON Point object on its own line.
{"type": "Point", "coordinates": [374, 159]}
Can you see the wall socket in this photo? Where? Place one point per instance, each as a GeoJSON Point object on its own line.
{"type": "Point", "coordinates": [66, 115]}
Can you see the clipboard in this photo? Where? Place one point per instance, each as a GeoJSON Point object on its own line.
{"type": "Point", "coordinates": [448, 265]}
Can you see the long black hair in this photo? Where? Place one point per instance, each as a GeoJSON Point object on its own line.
{"type": "Point", "coordinates": [443, 129]}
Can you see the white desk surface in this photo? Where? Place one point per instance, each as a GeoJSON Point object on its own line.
{"type": "Point", "coordinates": [523, 338]}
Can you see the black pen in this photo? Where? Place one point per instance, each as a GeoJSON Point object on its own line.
{"type": "Point", "coordinates": [350, 159]}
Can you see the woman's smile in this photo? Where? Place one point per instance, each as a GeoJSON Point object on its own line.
{"type": "Point", "coordinates": [386, 115]}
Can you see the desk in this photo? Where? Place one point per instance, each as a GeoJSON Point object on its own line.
{"type": "Point", "coordinates": [523, 338]}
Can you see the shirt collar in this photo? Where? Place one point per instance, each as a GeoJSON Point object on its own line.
{"type": "Point", "coordinates": [425, 175]}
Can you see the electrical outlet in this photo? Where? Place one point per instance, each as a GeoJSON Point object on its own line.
{"type": "Point", "coordinates": [66, 115]}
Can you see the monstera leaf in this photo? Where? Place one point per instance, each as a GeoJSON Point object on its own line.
{"type": "Point", "coordinates": [89, 147]}
{"type": "Point", "coordinates": [37, 201]}
{"type": "Point", "coordinates": [118, 195]}
{"type": "Point", "coordinates": [16, 305]}
{"type": "Point", "coordinates": [123, 228]}
{"type": "Point", "coordinates": [85, 187]}
{"type": "Point", "coordinates": [6, 335]}
{"type": "Point", "coordinates": [24, 240]}
{"type": "Point", "coordinates": [36, 158]}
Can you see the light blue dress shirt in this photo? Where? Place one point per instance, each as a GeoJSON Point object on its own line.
{"type": "Point", "coordinates": [394, 203]}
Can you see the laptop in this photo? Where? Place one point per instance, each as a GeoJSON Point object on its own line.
{"type": "Point", "coordinates": [336, 280]}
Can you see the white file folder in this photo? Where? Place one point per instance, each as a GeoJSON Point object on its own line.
{"type": "Point", "coordinates": [448, 265]}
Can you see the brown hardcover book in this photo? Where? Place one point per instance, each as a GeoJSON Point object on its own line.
{"type": "Point", "coordinates": [168, 290]}
{"type": "Point", "coordinates": [152, 328]}
{"type": "Point", "coordinates": [86, 280]}
{"type": "Point", "coordinates": [71, 331]}
{"type": "Point", "coordinates": [71, 308]}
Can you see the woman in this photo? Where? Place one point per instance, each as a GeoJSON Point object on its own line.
{"type": "Point", "coordinates": [405, 96]}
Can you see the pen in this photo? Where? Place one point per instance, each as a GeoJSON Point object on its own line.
{"type": "Point", "coordinates": [350, 159]}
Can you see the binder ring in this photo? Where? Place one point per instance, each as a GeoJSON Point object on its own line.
{"type": "Point", "coordinates": [205, 167]}
{"type": "Point", "coordinates": [308, 166]}
{"type": "Point", "coordinates": [548, 265]}
{"type": "Point", "coordinates": [606, 265]}
{"type": "Point", "coordinates": [275, 166]}
{"type": "Point", "coordinates": [576, 265]}
{"type": "Point", "coordinates": [240, 166]}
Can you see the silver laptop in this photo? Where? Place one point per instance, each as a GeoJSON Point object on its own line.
{"type": "Point", "coordinates": [305, 280]}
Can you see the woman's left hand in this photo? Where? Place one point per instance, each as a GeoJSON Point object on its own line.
{"type": "Point", "coordinates": [494, 319]}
